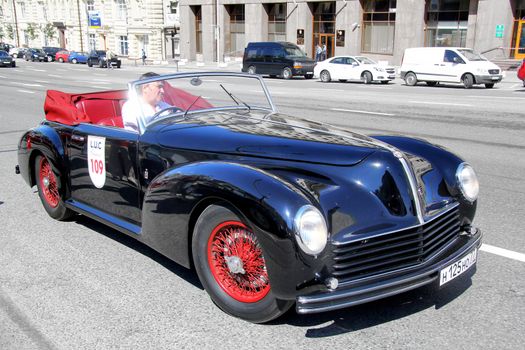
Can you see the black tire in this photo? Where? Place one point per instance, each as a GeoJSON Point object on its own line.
{"type": "Point", "coordinates": [48, 183]}
{"type": "Point", "coordinates": [366, 77]}
{"type": "Point", "coordinates": [384, 82]}
{"type": "Point", "coordinates": [431, 83]}
{"type": "Point", "coordinates": [89, 63]}
{"type": "Point", "coordinates": [287, 73]}
{"type": "Point", "coordinates": [325, 76]}
{"type": "Point", "coordinates": [118, 65]}
{"type": "Point", "coordinates": [213, 224]}
{"type": "Point", "coordinates": [410, 79]}
{"type": "Point", "coordinates": [74, 61]}
{"type": "Point", "coordinates": [101, 64]}
{"type": "Point", "coordinates": [468, 80]}
{"type": "Point", "coordinates": [61, 60]}
{"type": "Point", "coordinates": [252, 70]}
{"type": "Point", "coordinates": [343, 80]}
{"type": "Point", "coordinates": [13, 64]}
{"type": "Point", "coordinates": [489, 85]}
{"type": "Point", "coordinates": [308, 76]}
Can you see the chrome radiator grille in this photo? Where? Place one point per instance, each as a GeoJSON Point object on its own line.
{"type": "Point", "coordinates": [396, 250]}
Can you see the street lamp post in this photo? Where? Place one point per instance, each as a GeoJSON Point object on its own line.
{"type": "Point", "coordinates": [217, 32]}
{"type": "Point", "coordinates": [16, 25]}
{"type": "Point", "coordinates": [79, 26]}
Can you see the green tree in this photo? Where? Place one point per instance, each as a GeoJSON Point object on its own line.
{"type": "Point", "coordinates": [10, 31]}
{"type": "Point", "coordinates": [31, 31]}
{"type": "Point", "coordinates": [49, 31]}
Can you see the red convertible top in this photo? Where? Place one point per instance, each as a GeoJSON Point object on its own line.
{"type": "Point", "coordinates": [105, 107]}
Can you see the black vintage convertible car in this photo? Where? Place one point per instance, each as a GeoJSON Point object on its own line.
{"type": "Point", "coordinates": [270, 210]}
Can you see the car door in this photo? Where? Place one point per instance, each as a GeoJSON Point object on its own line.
{"type": "Point", "coordinates": [452, 67]}
{"type": "Point", "coordinates": [103, 171]}
{"type": "Point", "coordinates": [353, 69]}
{"type": "Point", "coordinates": [336, 67]}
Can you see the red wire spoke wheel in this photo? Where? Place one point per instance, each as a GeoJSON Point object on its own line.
{"type": "Point", "coordinates": [48, 183]}
{"type": "Point", "coordinates": [237, 263]}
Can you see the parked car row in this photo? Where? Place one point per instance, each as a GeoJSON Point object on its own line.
{"type": "Point", "coordinates": [431, 65]}
{"type": "Point", "coordinates": [48, 54]}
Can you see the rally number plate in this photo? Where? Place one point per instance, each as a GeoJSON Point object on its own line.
{"type": "Point", "coordinates": [457, 268]}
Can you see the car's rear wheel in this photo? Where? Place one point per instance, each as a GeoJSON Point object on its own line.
{"type": "Point", "coordinates": [489, 85]}
{"type": "Point", "coordinates": [325, 76]}
{"type": "Point", "coordinates": [251, 70]}
{"type": "Point", "coordinates": [231, 267]}
{"type": "Point", "coordinates": [49, 59]}
{"type": "Point", "coordinates": [48, 184]}
{"type": "Point", "coordinates": [410, 79]}
{"type": "Point", "coordinates": [366, 77]}
{"type": "Point", "coordinates": [468, 80]}
{"type": "Point", "coordinates": [286, 73]}
{"type": "Point", "coordinates": [61, 60]}
{"type": "Point", "coordinates": [74, 61]}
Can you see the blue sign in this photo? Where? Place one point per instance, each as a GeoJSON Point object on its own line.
{"type": "Point", "coordinates": [94, 19]}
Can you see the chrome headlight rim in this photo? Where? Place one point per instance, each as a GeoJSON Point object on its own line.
{"type": "Point", "coordinates": [299, 235]}
{"type": "Point", "coordinates": [468, 196]}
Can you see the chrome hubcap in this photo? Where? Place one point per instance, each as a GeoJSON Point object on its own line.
{"type": "Point", "coordinates": [45, 180]}
{"type": "Point", "coordinates": [234, 264]}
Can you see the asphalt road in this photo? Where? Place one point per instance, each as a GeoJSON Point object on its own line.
{"type": "Point", "coordinates": [80, 285]}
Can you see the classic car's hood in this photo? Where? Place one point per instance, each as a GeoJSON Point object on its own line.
{"type": "Point", "coordinates": [271, 136]}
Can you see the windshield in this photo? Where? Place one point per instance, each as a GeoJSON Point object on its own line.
{"type": "Point", "coordinates": [100, 52]}
{"type": "Point", "coordinates": [3, 54]}
{"type": "Point", "coordinates": [292, 51]}
{"type": "Point", "coordinates": [186, 95]}
{"type": "Point", "coordinates": [471, 55]}
{"type": "Point", "coordinates": [364, 60]}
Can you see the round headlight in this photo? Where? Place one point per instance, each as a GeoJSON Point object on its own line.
{"type": "Point", "coordinates": [467, 182]}
{"type": "Point", "coordinates": [310, 230]}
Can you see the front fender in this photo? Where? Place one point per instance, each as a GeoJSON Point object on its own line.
{"type": "Point", "coordinates": [175, 199]}
{"type": "Point", "coordinates": [45, 140]}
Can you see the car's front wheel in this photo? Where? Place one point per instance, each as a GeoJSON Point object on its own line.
{"type": "Point", "coordinates": [325, 76]}
{"type": "Point", "coordinates": [232, 268]}
{"type": "Point", "coordinates": [410, 79]}
{"type": "Point", "coordinates": [89, 63]}
{"type": "Point", "coordinates": [468, 81]}
{"type": "Point", "coordinates": [48, 184]}
{"type": "Point", "coordinates": [308, 76]}
{"type": "Point", "coordinates": [287, 73]}
{"type": "Point", "coordinates": [61, 60]}
{"type": "Point", "coordinates": [74, 61]}
{"type": "Point", "coordinates": [366, 77]}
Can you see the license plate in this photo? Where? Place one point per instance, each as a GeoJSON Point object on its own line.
{"type": "Point", "coordinates": [309, 72]}
{"type": "Point", "coordinates": [391, 77]}
{"type": "Point", "coordinates": [454, 270]}
{"type": "Point", "coordinates": [495, 78]}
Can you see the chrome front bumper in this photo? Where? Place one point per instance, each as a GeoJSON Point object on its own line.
{"type": "Point", "coordinates": [378, 287]}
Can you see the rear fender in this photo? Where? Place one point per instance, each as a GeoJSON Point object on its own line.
{"type": "Point", "coordinates": [41, 140]}
{"type": "Point", "coordinates": [267, 203]}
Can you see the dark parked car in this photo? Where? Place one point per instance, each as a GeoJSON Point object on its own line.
{"type": "Point", "coordinates": [98, 58]}
{"type": "Point", "coordinates": [270, 210]}
{"type": "Point", "coordinates": [77, 57]}
{"type": "Point", "coordinates": [35, 55]}
{"type": "Point", "coordinates": [6, 60]}
{"type": "Point", "coordinates": [51, 52]}
{"type": "Point", "coordinates": [277, 59]}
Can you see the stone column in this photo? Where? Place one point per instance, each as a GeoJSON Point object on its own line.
{"type": "Point", "coordinates": [410, 25]}
{"type": "Point", "coordinates": [255, 23]}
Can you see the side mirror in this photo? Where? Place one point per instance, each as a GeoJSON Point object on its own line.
{"type": "Point", "coordinates": [456, 60]}
{"type": "Point", "coordinates": [355, 64]}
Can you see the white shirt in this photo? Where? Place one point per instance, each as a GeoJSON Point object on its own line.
{"type": "Point", "coordinates": [134, 109]}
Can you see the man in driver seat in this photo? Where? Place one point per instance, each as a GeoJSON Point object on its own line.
{"type": "Point", "coordinates": [149, 102]}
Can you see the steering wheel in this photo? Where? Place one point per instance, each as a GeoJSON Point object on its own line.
{"type": "Point", "coordinates": [165, 111]}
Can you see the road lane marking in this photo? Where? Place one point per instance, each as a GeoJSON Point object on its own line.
{"type": "Point", "coordinates": [26, 91]}
{"type": "Point", "coordinates": [54, 76]}
{"type": "Point", "coordinates": [37, 70]}
{"type": "Point", "coordinates": [502, 97]}
{"type": "Point", "coordinates": [26, 84]}
{"type": "Point", "coordinates": [441, 103]}
{"type": "Point", "coordinates": [1, 76]}
{"type": "Point", "coordinates": [502, 252]}
{"type": "Point", "coordinates": [42, 81]}
{"type": "Point", "coordinates": [362, 112]}
{"type": "Point", "coordinates": [327, 90]}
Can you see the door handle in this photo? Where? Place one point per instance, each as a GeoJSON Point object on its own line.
{"type": "Point", "coordinates": [77, 138]}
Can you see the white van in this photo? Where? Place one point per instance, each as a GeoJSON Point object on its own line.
{"type": "Point", "coordinates": [449, 65]}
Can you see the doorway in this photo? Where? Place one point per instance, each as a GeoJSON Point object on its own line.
{"type": "Point", "coordinates": [324, 39]}
{"type": "Point", "coordinates": [519, 47]}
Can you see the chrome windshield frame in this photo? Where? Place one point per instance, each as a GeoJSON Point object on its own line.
{"type": "Point", "coordinates": [132, 88]}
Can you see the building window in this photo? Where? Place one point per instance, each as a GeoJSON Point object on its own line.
{"type": "Point", "coordinates": [379, 25]}
{"type": "Point", "coordinates": [22, 6]}
{"type": "Point", "coordinates": [91, 5]}
{"type": "Point", "coordinates": [237, 42]}
{"type": "Point", "coordinates": [174, 5]}
{"type": "Point", "coordinates": [92, 41]}
{"type": "Point", "coordinates": [198, 28]}
{"type": "Point", "coordinates": [123, 45]}
{"type": "Point", "coordinates": [276, 22]}
{"type": "Point", "coordinates": [446, 22]}
{"type": "Point", "coordinates": [122, 10]}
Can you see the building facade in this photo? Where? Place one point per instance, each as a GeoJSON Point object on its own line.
{"type": "Point", "coordinates": [217, 30]}
{"type": "Point", "coordinates": [125, 27]}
